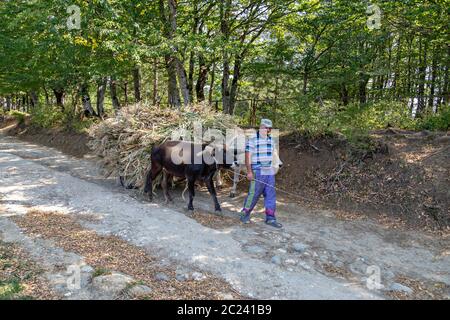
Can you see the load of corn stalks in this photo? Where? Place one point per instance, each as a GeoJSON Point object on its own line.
{"type": "Point", "coordinates": [123, 143]}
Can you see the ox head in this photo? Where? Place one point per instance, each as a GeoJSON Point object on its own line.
{"type": "Point", "coordinates": [225, 156]}
{"type": "Point", "coordinates": [220, 154]}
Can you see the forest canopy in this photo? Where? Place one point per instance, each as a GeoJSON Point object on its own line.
{"type": "Point", "coordinates": [306, 64]}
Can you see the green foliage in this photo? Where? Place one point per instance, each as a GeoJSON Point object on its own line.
{"type": "Point", "coordinates": [437, 121]}
{"type": "Point", "coordinates": [18, 115]}
{"type": "Point", "coordinates": [100, 272]}
{"type": "Point", "coordinates": [274, 49]}
{"type": "Point", "coordinates": [352, 120]}
{"type": "Point", "coordinates": [50, 116]}
{"type": "Point", "coordinates": [47, 116]}
{"type": "Point", "coordinates": [9, 288]}
{"type": "Point", "coordinates": [79, 125]}
{"type": "Point", "coordinates": [372, 117]}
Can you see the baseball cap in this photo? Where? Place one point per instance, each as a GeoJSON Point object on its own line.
{"type": "Point", "coordinates": [266, 122]}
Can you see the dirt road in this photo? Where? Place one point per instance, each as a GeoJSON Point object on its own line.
{"type": "Point", "coordinates": [316, 255]}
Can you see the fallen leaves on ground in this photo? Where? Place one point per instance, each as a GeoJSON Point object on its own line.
{"type": "Point", "coordinates": [20, 277]}
{"type": "Point", "coordinates": [106, 252]}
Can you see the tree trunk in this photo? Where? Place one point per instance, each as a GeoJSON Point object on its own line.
{"type": "Point", "coordinates": [422, 77]}
{"type": "Point", "coordinates": [380, 87]}
{"type": "Point", "coordinates": [409, 92]}
{"type": "Point", "coordinates": [26, 102]}
{"type": "Point", "coordinates": [101, 90]}
{"type": "Point", "coordinates": [445, 87]}
{"type": "Point", "coordinates": [388, 77]}
{"type": "Point", "coordinates": [183, 82]}
{"type": "Point", "coordinates": [397, 69]}
{"type": "Point", "coordinates": [47, 98]}
{"type": "Point", "coordinates": [86, 100]}
{"type": "Point", "coordinates": [363, 76]}
{"type": "Point", "coordinates": [225, 9]}
{"type": "Point", "coordinates": [125, 92]}
{"type": "Point", "coordinates": [194, 29]}
{"type": "Point", "coordinates": [137, 84]}
{"type": "Point", "coordinates": [363, 88]}
{"type": "Point", "coordinates": [155, 82]}
{"type": "Point", "coordinates": [190, 84]}
{"type": "Point", "coordinates": [113, 92]}
{"type": "Point", "coordinates": [76, 96]}
{"type": "Point", "coordinates": [34, 98]}
{"type": "Point", "coordinates": [8, 103]}
{"type": "Point", "coordinates": [234, 83]}
{"type": "Point", "coordinates": [59, 95]}
{"type": "Point", "coordinates": [173, 92]}
{"type": "Point", "coordinates": [202, 78]}
{"type": "Point", "coordinates": [211, 85]}
{"type": "Point", "coordinates": [305, 81]}
{"type": "Point", "coordinates": [173, 66]}
{"type": "Point", "coordinates": [344, 95]}
{"type": "Point", "coordinates": [433, 80]}
{"type": "Point", "coordinates": [182, 77]}
{"type": "Point", "coordinates": [225, 86]}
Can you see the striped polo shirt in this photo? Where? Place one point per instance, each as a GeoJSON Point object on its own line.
{"type": "Point", "coordinates": [261, 150]}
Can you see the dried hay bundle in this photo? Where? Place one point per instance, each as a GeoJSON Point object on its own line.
{"type": "Point", "coordinates": [123, 143]}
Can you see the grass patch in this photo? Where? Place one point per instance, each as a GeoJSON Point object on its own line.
{"type": "Point", "coordinates": [9, 288]}
{"type": "Point", "coordinates": [51, 116]}
{"type": "Point", "coordinates": [100, 272]}
{"type": "Point", "coordinates": [18, 115]}
{"type": "Point", "coordinates": [19, 277]}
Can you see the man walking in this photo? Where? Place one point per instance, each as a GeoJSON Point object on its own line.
{"type": "Point", "coordinates": [259, 151]}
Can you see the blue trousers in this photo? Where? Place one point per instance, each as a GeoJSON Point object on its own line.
{"type": "Point", "coordinates": [263, 183]}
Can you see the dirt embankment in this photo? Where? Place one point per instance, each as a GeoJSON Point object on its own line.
{"type": "Point", "coordinates": [401, 177]}
{"type": "Point", "coordinates": [395, 175]}
{"type": "Point", "coordinates": [69, 142]}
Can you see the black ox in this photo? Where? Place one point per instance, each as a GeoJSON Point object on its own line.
{"type": "Point", "coordinates": [195, 162]}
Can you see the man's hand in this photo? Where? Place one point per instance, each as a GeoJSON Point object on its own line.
{"type": "Point", "coordinates": [250, 176]}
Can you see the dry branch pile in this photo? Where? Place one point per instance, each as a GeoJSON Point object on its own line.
{"type": "Point", "coordinates": [123, 143]}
